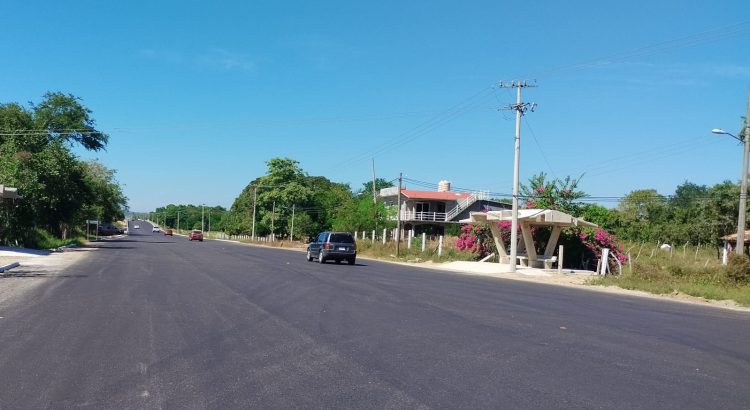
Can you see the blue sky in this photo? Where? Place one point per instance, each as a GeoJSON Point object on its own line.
{"type": "Point", "coordinates": [197, 95]}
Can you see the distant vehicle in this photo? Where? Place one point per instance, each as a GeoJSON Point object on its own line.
{"type": "Point", "coordinates": [335, 246]}
{"type": "Point", "coordinates": [108, 230]}
{"type": "Point", "coordinates": [136, 227]}
{"type": "Point", "coordinates": [155, 229]}
{"type": "Point", "coordinates": [168, 232]}
{"type": "Point", "coordinates": [195, 235]}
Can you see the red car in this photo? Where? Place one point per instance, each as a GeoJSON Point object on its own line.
{"type": "Point", "coordinates": [195, 235]}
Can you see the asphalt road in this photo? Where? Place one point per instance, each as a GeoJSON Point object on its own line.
{"type": "Point", "coordinates": [152, 322]}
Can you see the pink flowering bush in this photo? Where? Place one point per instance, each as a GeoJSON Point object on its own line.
{"type": "Point", "coordinates": [603, 239]}
{"type": "Point", "coordinates": [476, 239]}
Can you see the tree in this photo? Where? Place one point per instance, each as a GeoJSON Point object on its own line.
{"type": "Point", "coordinates": [558, 194]}
{"type": "Point", "coordinates": [360, 213]}
{"type": "Point", "coordinates": [59, 191]}
{"type": "Point", "coordinates": [380, 183]}
{"type": "Point", "coordinates": [64, 118]}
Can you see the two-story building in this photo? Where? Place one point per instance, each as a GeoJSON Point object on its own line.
{"type": "Point", "coordinates": [431, 211]}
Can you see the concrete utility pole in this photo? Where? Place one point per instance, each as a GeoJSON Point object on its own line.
{"type": "Point", "coordinates": [744, 135]}
{"type": "Point", "coordinates": [255, 201]}
{"type": "Point", "coordinates": [520, 108]}
{"type": "Point", "coordinates": [203, 215]}
{"type": "Point", "coordinates": [374, 197]}
{"type": "Point", "coordinates": [273, 217]}
{"type": "Point", "coordinates": [398, 215]}
{"type": "Point", "coordinates": [291, 231]}
{"type": "Point", "coordinates": [744, 138]}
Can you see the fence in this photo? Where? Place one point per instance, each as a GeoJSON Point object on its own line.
{"type": "Point", "coordinates": [385, 236]}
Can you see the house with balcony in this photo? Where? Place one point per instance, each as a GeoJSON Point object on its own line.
{"type": "Point", "coordinates": [432, 211]}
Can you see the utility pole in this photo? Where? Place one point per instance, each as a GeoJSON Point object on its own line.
{"type": "Point", "coordinates": [178, 220]}
{"type": "Point", "coordinates": [520, 108]}
{"type": "Point", "coordinates": [209, 219]}
{"type": "Point", "coordinates": [374, 197]}
{"type": "Point", "coordinates": [398, 215]}
{"type": "Point", "coordinates": [291, 231]}
{"type": "Point", "coordinates": [745, 135]}
{"type": "Point", "coordinates": [273, 217]}
{"type": "Point", "coordinates": [203, 214]}
{"type": "Point", "coordinates": [255, 201]}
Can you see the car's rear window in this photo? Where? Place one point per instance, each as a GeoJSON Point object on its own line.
{"type": "Point", "coordinates": [341, 238]}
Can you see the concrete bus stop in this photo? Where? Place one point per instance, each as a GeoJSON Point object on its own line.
{"type": "Point", "coordinates": [527, 218]}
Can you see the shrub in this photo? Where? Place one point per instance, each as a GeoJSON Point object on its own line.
{"type": "Point", "coordinates": [738, 269]}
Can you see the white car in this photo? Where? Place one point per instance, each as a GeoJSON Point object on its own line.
{"type": "Point", "coordinates": [136, 227]}
{"type": "Point", "coordinates": [155, 229]}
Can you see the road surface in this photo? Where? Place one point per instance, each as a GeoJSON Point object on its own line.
{"type": "Point", "coordinates": [150, 321]}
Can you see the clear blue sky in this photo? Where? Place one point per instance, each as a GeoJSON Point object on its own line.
{"type": "Point", "coordinates": [196, 95]}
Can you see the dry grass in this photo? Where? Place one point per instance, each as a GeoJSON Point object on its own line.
{"type": "Point", "coordinates": [696, 271]}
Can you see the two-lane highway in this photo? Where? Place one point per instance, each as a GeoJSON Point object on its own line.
{"type": "Point", "coordinates": [151, 321]}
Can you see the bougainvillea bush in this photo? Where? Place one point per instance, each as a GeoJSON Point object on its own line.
{"type": "Point", "coordinates": [476, 239]}
{"type": "Point", "coordinates": [582, 247]}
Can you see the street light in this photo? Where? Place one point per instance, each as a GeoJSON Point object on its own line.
{"type": "Point", "coordinates": [740, 248]}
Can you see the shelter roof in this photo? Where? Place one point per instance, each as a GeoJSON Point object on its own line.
{"type": "Point", "coordinates": [733, 237]}
{"type": "Point", "coordinates": [548, 217]}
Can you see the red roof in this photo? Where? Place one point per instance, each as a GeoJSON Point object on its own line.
{"type": "Point", "coordinates": [443, 196]}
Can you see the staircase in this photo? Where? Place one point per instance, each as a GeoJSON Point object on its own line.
{"type": "Point", "coordinates": [465, 203]}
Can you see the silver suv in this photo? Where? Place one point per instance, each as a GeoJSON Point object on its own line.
{"type": "Point", "coordinates": [337, 246]}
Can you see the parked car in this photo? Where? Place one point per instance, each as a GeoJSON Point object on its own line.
{"type": "Point", "coordinates": [168, 232]}
{"type": "Point", "coordinates": [335, 246]}
{"type": "Point", "coordinates": [108, 229]}
{"type": "Point", "coordinates": [195, 235]}
{"type": "Point", "coordinates": [155, 229]}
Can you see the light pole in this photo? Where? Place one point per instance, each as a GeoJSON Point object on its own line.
{"type": "Point", "coordinates": [740, 248]}
{"type": "Point", "coordinates": [203, 215]}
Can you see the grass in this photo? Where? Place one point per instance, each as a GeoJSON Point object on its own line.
{"type": "Point", "coordinates": [41, 239]}
{"type": "Point", "coordinates": [695, 271]}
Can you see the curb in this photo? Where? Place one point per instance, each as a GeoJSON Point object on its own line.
{"type": "Point", "coordinates": [9, 266]}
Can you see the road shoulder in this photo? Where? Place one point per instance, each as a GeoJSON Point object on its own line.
{"type": "Point", "coordinates": [36, 268]}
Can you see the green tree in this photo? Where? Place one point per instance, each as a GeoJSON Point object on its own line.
{"type": "Point", "coordinates": [559, 194]}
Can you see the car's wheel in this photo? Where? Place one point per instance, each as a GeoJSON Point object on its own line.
{"type": "Point", "coordinates": [309, 256]}
{"type": "Point", "coordinates": [320, 257]}
{"type": "Point", "coordinates": [350, 261]}
{"type": "Point", "coordinates": [200, 240]}
{"type": "Point", "coordinates": [338, 261]}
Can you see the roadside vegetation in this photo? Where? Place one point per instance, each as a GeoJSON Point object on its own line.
{"type": "Point", "coordinates": [694, 271]}
{"type": "Point", "coordinates": [59, 192]}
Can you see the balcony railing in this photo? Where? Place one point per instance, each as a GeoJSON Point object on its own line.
{"type": "Point", "coordinates": [423, 216]}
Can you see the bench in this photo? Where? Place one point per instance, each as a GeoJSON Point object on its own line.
{"type": "Point", "coordinates": [523, 260]}
{"type": "Point", "coordinates": [547, 260]}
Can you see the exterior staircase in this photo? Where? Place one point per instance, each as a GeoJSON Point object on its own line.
{"type": "Point", "coordinates": [465, 203]}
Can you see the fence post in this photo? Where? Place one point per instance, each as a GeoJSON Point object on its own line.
{"type": "Point", "coordinates": [440, 246]}
{"type": "Point", "coordinates": [630, 264]}
{"type": "Point", "coordinates": [373, 236]}
{"type": "Point", "coordinates": [424, 240]}
{"type": "Point", "coordinates": [385, 233]}
{"type": "Point", "coordinates": [605, 261]}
